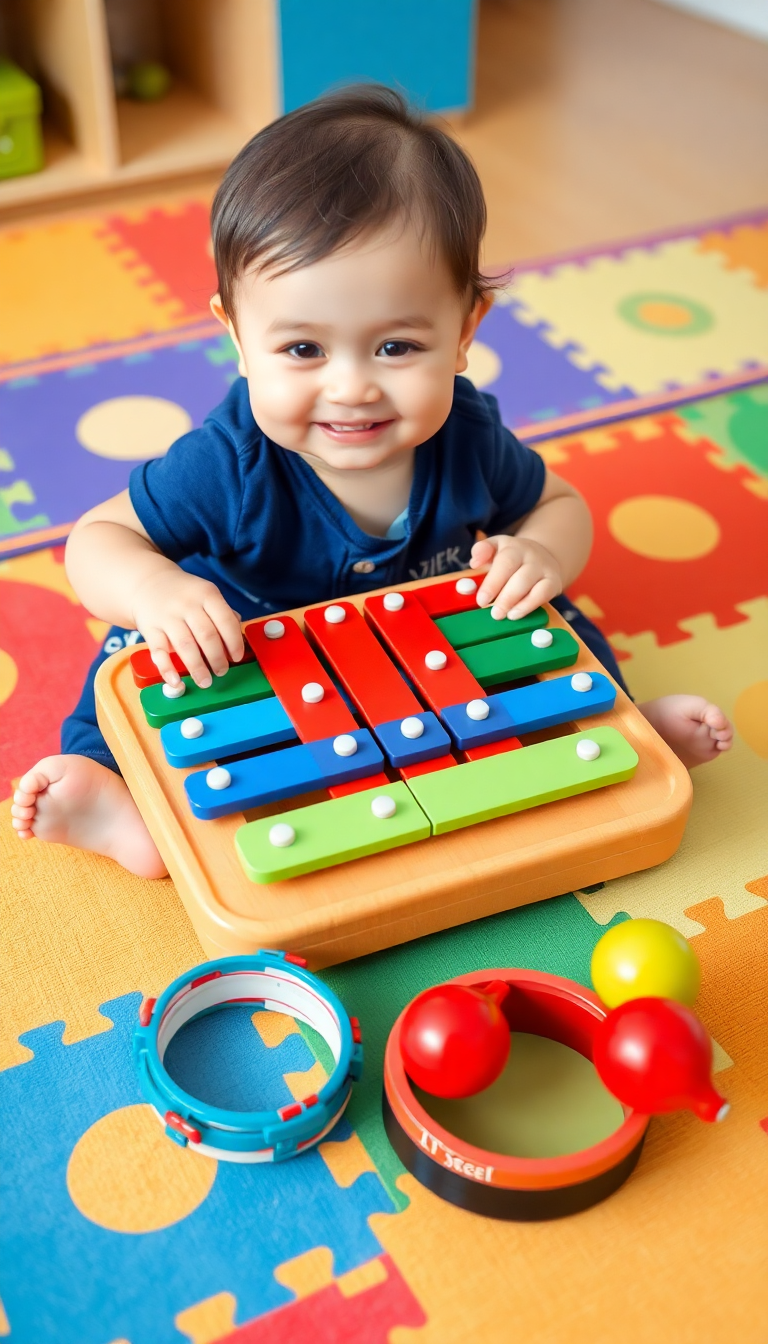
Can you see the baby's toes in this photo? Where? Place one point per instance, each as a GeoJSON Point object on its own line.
{"type": "Point", "coordinates": [715, 719]}
{"type": "Point", "coordinates": [20, 813]}
{"type": "Point", "coordinates": [32, 783]}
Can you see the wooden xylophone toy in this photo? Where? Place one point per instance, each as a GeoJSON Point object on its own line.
{"type": "Point", "coordinates": [388, 765]}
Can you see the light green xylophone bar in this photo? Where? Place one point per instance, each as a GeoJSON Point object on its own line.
{"type": "Point", "coordinates": [516, 780]}
{"type": "Point", "coordinates": [330, 832]}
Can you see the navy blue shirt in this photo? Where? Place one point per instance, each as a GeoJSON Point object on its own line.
{"type": "Point", "coordinates": [229, 504]}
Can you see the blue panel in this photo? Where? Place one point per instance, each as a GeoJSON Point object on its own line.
{"type": "Point", "coordinates": [468, 732]}
{"type": "Point", "coordinates": [226, 732]}
{"type": "Point", "coordinates": [529, 708]}
{"type": "Point", "coordinates": [427, 50]}
{"type": "Point", "coordinates": [334, 769]}
{"type": "Point", "coordinates": [400, 750]}
{"type": "Point", "coordinates": [547, 703]}
{"type": "Point", "coordinates": [282, 774]}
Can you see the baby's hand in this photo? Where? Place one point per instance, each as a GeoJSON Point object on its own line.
{"type": "Point", "coordinates": [523, 574]}
{"type": "Point", "coordinates": [179, 612]}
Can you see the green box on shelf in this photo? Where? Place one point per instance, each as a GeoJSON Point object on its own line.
{"type": "Point", "coordinates": [21, 141]}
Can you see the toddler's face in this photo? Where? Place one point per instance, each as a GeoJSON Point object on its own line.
{"type": "Point", "coordinates": [350, 361]}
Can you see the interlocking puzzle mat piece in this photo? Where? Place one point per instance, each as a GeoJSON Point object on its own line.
{"type": "Point", "coordinates": [733, 431]}
{"type": "Point", "coordinates": [742, 247]}
{"type": "Point", "coordinates": [724, 846]}
{"type": "Point", "coordinates": [102, 295]}
{"type": "Point", "coordinates": [42, 628]}
{"type": "Point", "coordinates": [533, 382]}
{"type": "Point", "coordinates": [734, 963]}
{"type": "Point", "coordinates": [74, 435]}
{"type": "Point", "coordinates": [650, 319]}
{"type": "Point", "coordinates": [100, 1167]}
{"type": "Point", "coordinates": [364, 1304]}
{"type": "Point", "coordinates": [168, 246]}
{"type": "Point", "coordinates": [674, 536]}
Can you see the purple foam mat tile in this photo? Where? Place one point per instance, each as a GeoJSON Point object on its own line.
{"type": "Point", "coordinates": [40, 413]}
{"type": "Point", "coordinates": [538, 382]}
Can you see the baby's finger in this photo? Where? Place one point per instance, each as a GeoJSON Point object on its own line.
{"type": "Point", "coordinates": [209, 640]}
{"type": "Point", "coordinates": [482, 553]}
{"type": "Point", "coordinates": [227, 623]}
{"type": "Point", "coordinates": [505, 564]}
{"type": "Point", "coordinates": [515, 590]}
{"type": "Point", "coordinates": [160, 653]}
{"type": "Point", "coordinates": [541, 592]}
{"type": "Point", "coordinates": [185, 644]}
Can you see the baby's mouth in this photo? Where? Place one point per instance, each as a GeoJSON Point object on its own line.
{"type": "Point", "coordinates": [355, 431]}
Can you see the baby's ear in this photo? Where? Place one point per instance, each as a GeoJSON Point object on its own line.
{"type": "Point", "coordinates": [469, 327]}
{"type": "Point", "coordinates": [217, 308]}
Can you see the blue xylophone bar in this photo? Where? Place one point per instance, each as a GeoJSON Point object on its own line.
{"type": "Point", "coordinates": [282, 774]}
{"type": "Point", "coordinates": [226, 732]}
{"type": "Point", "coordinates": [526, 709]}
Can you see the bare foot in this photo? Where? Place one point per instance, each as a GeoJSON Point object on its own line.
{"type": "Point", "coordinates": [695, 729]}
{"type": "Point", "coordinates": [73, 800]}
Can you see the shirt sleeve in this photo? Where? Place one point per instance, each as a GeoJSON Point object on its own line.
{"type": "Point", "coordinates": [189, 501]}
{"type": "Point", "coordinates": [515, 475]}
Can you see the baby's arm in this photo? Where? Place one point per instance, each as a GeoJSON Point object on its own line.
{"type": "Point", "coordinates": [119, 575]}
{"type": "Point", "coordinates": [544, 553]}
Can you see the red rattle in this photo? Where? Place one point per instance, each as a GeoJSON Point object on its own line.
{"type": "Point", "coordinates": [455, 1039]}
{"type": "Point", "coordinates": [655, 1055]}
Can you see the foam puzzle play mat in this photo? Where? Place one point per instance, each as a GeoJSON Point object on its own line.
{"type": "Point", "coordinates": [136, 1058]}
{"type": "Point", "coordinates": [572, 341]}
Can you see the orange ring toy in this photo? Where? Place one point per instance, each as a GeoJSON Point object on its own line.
{"type": "Point", "coordinates": [520, 1188]}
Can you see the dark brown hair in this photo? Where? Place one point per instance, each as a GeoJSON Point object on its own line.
{"type": "Point", "coordinates": [340, 167]}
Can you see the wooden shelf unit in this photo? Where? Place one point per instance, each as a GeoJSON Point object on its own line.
{"type": "Point", "coordinates": [223, 58]}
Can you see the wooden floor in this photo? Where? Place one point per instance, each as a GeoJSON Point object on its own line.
{"type": "Point", "coordinates": [598, 119]}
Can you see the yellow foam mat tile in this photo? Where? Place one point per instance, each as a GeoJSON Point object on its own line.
{"type": "Point", "coordinates": [208, 1320]}
{"type": "Point", "coordinates": [724, 846]}
{"type": "Point", "coordinates": [75, 928]}
{"type": "Point", "coordinates": [67, 290]}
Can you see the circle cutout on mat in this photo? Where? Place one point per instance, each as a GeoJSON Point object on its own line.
{"type": "Point", "coordinates": [666, 314]}
{"type": "Point", "coordinates": [751, 717]}
{"type": "Point", "coordinates": [132, 428]}
{"type": "Point", "coordinates": [660, 527]}
{"type": "Point", "coordinates": [9, 675]}
{"type": "Point", "coordinates": [124, 1174]}
{"type": "Point", "coordinates": [484, 365]}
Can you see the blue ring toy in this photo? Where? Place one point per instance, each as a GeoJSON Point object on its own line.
{"type": "Point", "coordinates": [272, 980]}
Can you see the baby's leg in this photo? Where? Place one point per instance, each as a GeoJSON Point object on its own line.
{"type": "Point", "coordinates": [79, 798]}
{"type": "Point", "coordinates": [74, 800]}
{"type": "Point", "coordinates": [696, 730]}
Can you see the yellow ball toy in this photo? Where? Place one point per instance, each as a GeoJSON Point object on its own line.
{"type": "Point", "coordinates": [643, 957]}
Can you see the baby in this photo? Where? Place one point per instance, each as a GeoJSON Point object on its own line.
{"type": "Point", "coordinates": [348, 456]}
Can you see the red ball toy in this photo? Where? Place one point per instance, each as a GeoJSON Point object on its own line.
{"type": "Point", "coordinates": [455, 1039]}
{"type": "Point", "coordinates": [655, 1056]}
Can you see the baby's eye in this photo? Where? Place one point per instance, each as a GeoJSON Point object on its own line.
{"type": "Point", "coordinates": [394, 348]}
{"type": "Point", "coordinates": [305, 350]}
